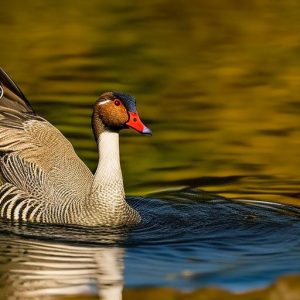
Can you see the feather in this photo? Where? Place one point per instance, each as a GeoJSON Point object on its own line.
{"type": "Point", "coordinates": [38, 165]}
{"type": "Point", "coordinates": [12, 96]}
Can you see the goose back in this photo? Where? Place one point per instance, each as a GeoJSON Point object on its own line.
{"type": "Point", "coordinates": [42, 177]}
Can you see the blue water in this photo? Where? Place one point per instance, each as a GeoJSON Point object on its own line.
{"type": "Point", "coordinates": [188, 239]}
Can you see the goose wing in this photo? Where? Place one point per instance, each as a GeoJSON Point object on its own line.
{"type": "Point", "coordinates": [35, 156]}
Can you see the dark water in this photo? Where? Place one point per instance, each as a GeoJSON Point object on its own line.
{"type": "Point", "coordinates": [218, 82]}
{"type": "Point", "coordinates": [188, 239]}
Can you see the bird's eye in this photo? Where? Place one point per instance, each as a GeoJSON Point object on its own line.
{"type": "Point", "coordinates": [117, 102]}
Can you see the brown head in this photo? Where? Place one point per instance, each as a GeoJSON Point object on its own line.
{"type": "Point", "coordinates": [114, 111]}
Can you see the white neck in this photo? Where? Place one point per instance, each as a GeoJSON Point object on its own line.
{"type": "Point", "coordinates": [108, 180]}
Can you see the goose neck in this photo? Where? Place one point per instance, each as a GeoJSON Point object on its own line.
{"type": "Point", "coordinates": [108, 176]}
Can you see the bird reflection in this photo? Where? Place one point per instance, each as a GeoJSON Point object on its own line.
{"type": "Point", "coordinates": [32, 269]}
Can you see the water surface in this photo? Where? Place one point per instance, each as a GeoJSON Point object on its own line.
{"type": "Point", "coordinates": [187, 240]}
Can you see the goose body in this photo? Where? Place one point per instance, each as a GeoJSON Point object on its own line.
{"type": "Point", "coordinates": [42, 178]}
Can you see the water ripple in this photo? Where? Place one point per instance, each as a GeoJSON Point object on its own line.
{"type": "Point", "coordinates": [187, 239]}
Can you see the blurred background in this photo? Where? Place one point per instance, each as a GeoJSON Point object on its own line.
{"type": "Point", "coordinates": [218, 82]}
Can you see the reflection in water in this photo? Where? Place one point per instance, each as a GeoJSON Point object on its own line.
{"type": "Point", "coordinates": [187, 239]}
{"type": "Point", "coordinates": [222, 103]}
{"type": "Point", "coordinates": [38, 270]}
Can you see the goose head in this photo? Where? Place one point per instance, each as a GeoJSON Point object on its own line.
{"type": "Point", "coordinates": [114, 111]}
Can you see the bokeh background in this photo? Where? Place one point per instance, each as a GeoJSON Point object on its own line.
{"type": "Point", "coordinates": [218, 82]}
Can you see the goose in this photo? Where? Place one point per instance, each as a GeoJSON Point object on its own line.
{"type": "Point", "coordinates": [42, 179]}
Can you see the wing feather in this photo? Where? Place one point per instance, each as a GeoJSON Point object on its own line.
{"type": "Point", "coordinates": [35, 156]}
{"type": "Point", "coordinates": [13, 97]}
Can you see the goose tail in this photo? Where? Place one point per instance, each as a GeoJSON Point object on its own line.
{"type": "Point", "coordinates": [11, 97]}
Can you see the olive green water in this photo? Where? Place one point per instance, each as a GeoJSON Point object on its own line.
{"type": "Point", "coordinates": [218, 82]}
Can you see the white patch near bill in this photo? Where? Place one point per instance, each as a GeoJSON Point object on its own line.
{"type": "Point", "coordinates": [104, 102]}
{"type": "Point", "coordinates": [1, 92]}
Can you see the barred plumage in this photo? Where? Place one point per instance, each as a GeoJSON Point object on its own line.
{"type": "Point", "coordinates": [43, 179]}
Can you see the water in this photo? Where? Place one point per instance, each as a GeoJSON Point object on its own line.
{"type": "Point", "coordinates": [192, 241]}
{"type": "Point", "coordinates": [218, 84]}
